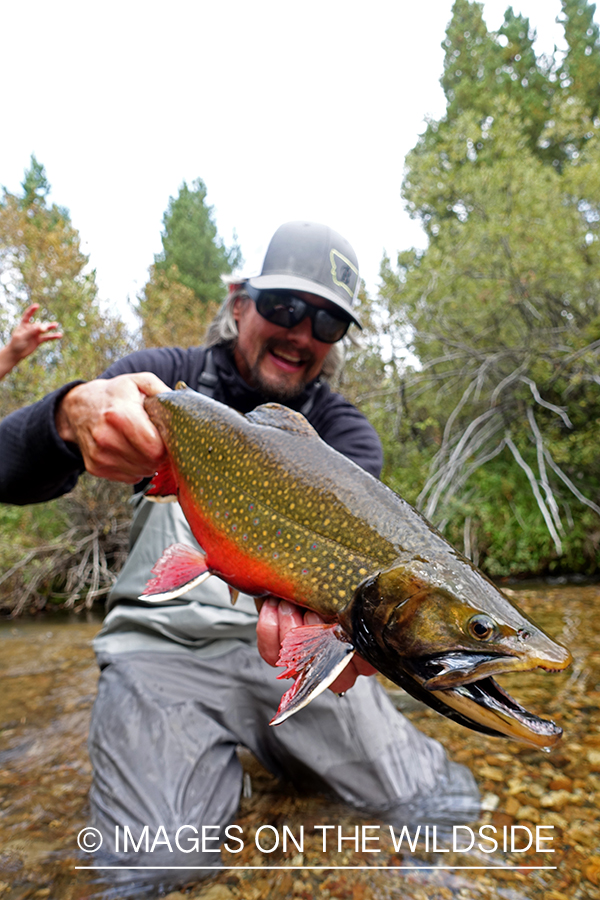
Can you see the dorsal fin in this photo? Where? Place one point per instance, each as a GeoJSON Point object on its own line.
{"type": "Point", "coordinates": [278, 416]}
{"type": "Point", "coordinates": [181, 386]}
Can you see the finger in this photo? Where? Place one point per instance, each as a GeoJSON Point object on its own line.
{"type": "Point", "coordinates": [109, 454]}
{"type": "Point", "coordinates": [363, 667]}
{"type": "Point", "coordinates": [130, 419]}
{"type": "Point", "coordinates": [29, 313]}
{"type": "Point", "coordinates": [149, 384]}
{"type": "Point", "coordinates": [345, 680]}
{"type": "Point", "coordinates": [267, 631]}
{"type": "Point", "coordinates": [290, 616]}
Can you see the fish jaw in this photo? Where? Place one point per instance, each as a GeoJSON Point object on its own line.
{"type": "Point", "coordinates": [450, 670]}
{"type": "Point", "coordinates": [416, 632]}
{"type": "Point", "coordinates": [485, 704]}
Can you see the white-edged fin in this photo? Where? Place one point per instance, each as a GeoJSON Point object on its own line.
{"type": "Point", "coordinates": [172, 595]}
{"type": "Point", "coordinates": [179, 569]}
{"type": "Point", "coordinates": [314, 655]}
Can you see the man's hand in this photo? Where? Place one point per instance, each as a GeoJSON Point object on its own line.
{"type": "Point", "coordinates": [277, 617]}
{"type": "Point", "coordinates": [107, 420]}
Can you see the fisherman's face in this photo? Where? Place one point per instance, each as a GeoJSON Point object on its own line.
{"type": "Point", "coordinates": [278, 361]}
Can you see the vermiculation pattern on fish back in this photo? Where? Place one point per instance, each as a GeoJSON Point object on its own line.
{"type": "Point", "coordinates": [272, 529]}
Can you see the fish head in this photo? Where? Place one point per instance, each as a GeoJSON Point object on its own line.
{"type": "Point", "coordinates": [441, 630]}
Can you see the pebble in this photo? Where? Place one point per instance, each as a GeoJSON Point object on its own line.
{"type": "Point", "coordinates": [557, 799]}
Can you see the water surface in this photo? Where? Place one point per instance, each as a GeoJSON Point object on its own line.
{"type": "Point", "coordinates": [48, 682]}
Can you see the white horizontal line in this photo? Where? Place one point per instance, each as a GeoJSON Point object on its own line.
{"type": "Point", "coordinates": [318, 868]}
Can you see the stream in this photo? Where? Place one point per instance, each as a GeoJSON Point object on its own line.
{"type": "Point", "coordinates": [49, 676]}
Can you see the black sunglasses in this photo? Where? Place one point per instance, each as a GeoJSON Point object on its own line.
{"type": "Point", "coordinates": [287, 310]}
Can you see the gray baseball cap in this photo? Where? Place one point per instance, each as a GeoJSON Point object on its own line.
{"type": "Point", "coordinates": [304, 256]}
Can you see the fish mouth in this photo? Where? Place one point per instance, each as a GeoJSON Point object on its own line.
{"type": "Point", "coordinates": [485, 704]}
{"type": "Point", "coordinates": [475, 700]}
{"type": "Point", "coordinates": [486, 707]}
{"type": "Point", "coordinates": [460, 681]}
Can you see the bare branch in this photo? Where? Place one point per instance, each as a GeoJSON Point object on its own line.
{"type": "Point", "coordinates": [557, 409]}
{"type": "Point", "coordinates": [536, 492]}
{"type": "Point", "coordinates": [539, 443]}
{"type": "Point", "coordinates": [574, 490]}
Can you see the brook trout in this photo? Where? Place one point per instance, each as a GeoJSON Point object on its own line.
{"type": "Point", "coordinates": [280, 513]}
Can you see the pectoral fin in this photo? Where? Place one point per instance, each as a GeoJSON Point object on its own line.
{"type": "Point", "coordinates": [179, 569]}
{"type": "Point", "coordinates": [163, 487]}
{"type": "Point", "coordinates": [314, 655]}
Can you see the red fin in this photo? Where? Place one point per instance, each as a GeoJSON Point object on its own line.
{"type": "Point", "coordinates": [314, 655]}
{"type": "Point", "coordinates": [163, 483]}
{"type": "Point", "coordinates": [179, 569]}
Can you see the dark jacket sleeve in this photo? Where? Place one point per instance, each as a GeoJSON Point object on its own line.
{"type": "Point", "coordinates": [35, 463]}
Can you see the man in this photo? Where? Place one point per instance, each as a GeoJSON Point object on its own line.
{"type": "Point", "coordinates": [183, 683]}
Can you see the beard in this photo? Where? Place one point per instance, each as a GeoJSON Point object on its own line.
{"type": "Point", "coordinates": [282, 389]}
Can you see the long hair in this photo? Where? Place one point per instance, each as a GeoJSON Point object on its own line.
{"type": "Point", "coordinates": [223, 330]}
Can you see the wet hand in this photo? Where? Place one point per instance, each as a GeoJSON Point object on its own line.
{"type": "Point", "coordinates": [277, 617]}
{"type": "Point", "coordinates": [107, 420]}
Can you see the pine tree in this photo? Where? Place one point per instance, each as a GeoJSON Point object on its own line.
{"type": "Point", "coordinates": [185, 287]}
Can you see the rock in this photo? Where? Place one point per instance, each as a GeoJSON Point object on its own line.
{"type": "Point", "coordinates": [561, 783]}
{"type": "Point", "coordinates": [213, 892]}
{"type": "Point", "coordinates": [557, 799]}
{"type": "Point", "coordinates": [528, 812]}
{"type": "Point", "coordinates": [512, 806]}
{"type": "Point", "coordinates": [494, 773]}
{"type": "Point", "coordinates": [489, 802]}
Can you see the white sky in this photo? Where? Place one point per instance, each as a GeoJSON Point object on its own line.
{"type": "Point", "coordinates": [285, 110]}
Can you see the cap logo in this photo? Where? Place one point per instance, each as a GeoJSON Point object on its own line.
{"type": "Point", "coordinates": [343, 272]}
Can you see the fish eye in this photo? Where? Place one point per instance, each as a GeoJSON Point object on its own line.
{"type": "Point", "coordinates": [481, 627]}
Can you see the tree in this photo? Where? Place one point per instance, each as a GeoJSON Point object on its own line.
{"type": "Point", "coordinates": [185, 287]}
{"type": "Point", "coordinates": [41, 262]}
{"type": "Point", "coordinates": [580, 72]}
{"type": "Point", "coordinates": [73, 547]}
{"type": "Point", "coordinates": [503, 307]}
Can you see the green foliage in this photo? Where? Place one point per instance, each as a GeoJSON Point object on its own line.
{"type": "Point", "coordinates": [41, 262]}
{"type": "Point", "coordinates": [501, 415]}
{"type": "Point", "coordinates": [185, 288]}
{"type": "Point", "coordinates": [580, 71]}
{"type": "Point", "coordinates": [58, 546]}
